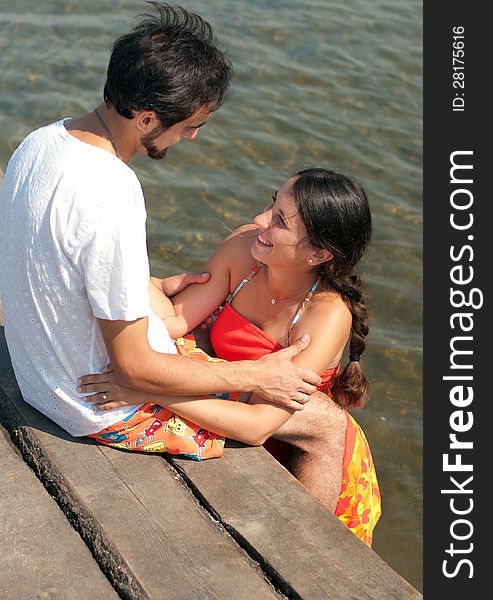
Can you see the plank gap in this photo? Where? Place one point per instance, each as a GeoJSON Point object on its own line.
{"type": "Point", "coordinates": [270, 573]}
{"type": "Point", "coordinates": [109, 560]}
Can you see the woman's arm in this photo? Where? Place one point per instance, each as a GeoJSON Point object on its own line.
{"type": "Point", "coordinates": [162, 306]}
{"type": "Point", "coordinates": [328, 321]}
{"type": "Point", "coordinates": [196, 302]}
{"type": "Point", "coordinates": [248, 423]}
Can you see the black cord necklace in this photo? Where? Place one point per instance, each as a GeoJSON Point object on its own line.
{"type": "Point", "coordinates": [108, 132]}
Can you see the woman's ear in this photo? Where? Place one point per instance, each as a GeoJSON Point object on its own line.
{"type": "Point", "coordinates": [319, 256]}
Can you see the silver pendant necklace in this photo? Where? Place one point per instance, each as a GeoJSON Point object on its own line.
{"type": "Point", "coordinates": [274, 300]}
{"type": "Point", "coordinates": [108, 132]}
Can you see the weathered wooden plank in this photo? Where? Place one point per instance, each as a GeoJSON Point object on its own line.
{"type": "Point", "coordinates": [151, 537]}
{"type": "Point", "coordinates": [42, 556]}
{"type": "Point", "coordinates": [310, 549]}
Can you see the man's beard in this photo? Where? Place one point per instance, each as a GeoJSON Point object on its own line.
{"type": "Point", "coordinates": [151, 149]}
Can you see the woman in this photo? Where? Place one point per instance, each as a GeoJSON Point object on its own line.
{"type": "Point", "coordinates": [291, 272]}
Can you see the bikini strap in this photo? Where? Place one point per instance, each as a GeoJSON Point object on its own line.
{"type": "Point", "coordinates": [244, 281]}
{"type": "Point", "coordinates": [302, 307]}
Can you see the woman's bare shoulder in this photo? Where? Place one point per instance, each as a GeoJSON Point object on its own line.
{"type": "Point", "coordinates": [327, 311]}
{"type": "Point", "coordinates": [328, 321]}
{"type": "Point", "coordinates": [244, 232]}
{"type": "Point", "coordinates": [329, 300]}
{"type": "Point", "coordinates": [237, 243]}
{"type": "Point", "coordinates": [234, 253]}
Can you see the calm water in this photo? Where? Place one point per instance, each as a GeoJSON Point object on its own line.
{"type": "Point", "coordinates": [316, 83]}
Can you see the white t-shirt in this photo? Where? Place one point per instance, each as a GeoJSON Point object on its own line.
{"type": "Point", "coordinates": [73, 249]}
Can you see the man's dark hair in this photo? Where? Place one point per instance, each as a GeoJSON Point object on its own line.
{"type": "Point", "coordinates": [168, 63]}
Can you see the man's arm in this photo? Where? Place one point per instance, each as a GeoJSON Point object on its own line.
{"type": "Point", "coordinates": [137, 366]}
{"type": "Point", "coordinates": [249, 423]}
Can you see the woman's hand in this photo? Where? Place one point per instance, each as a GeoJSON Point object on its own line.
{"type": "Point", "coordinates": [107, 393]}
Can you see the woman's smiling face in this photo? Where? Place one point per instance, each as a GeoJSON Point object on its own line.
{"type": "Point", "coordinates": [282, 234]}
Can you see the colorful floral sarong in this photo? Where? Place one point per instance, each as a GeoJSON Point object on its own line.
{"type": "Point", "coordinates": [153, 428]}
{"type": "Point", "coordinates": [359, 504]}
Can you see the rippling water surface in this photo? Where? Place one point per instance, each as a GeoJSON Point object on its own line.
{"type": "Point", "coordinates": [316, 83]}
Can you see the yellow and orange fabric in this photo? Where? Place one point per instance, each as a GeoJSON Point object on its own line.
{"type": "Point", "coordinates": [153, 428]}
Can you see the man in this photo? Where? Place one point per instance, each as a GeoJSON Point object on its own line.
{"type": "Point", "coordinates": [74, 269]}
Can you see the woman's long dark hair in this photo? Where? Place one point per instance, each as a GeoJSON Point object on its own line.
{"type": "Point", "coordinates": [336, 214]}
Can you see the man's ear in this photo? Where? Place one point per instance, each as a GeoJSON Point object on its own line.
{"type": "Point", "coordinates": [319, 256]}
{"type": "Point", "coordinates": [145, 120]}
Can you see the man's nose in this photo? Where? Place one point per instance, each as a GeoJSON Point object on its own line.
{"type": "Point", "coordinates": [193, 134]}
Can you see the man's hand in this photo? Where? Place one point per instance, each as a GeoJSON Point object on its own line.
{"type": "Point", "coordinates": [106, 393]}
{"type": "Point", "coordinates": [281, 382]}
{"type": "Point", "coordinates": [171, 286]}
